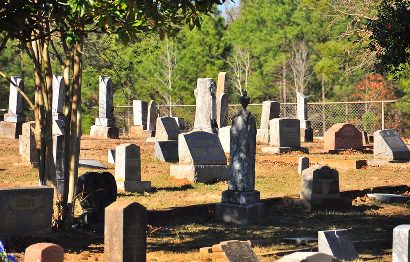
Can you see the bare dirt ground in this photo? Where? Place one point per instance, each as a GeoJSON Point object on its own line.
{"type": "Point", "coordinates": [369, 222]}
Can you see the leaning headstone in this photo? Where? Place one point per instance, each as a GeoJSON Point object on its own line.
{"type": "Point", "coordinates": [205, 106]}
{"type": "Point", "coordinates": [270, 110]}
{"type": "Point", "coordinates": [233, 250]}
{"type": "Point", "coordinates": [308, 257]}
{"type": "Point", "coordinates": [25, 212]}
{"type": "Point", "coordinates": [11, 127]}
{"type": "Point", "coordinates": [128, 169]}
{"type": "Point", "coordinates": [105, 123]}
{"type": "Point", "coordinates": [44, 252]}
{"type": "Point", "coordinates": [303, 164]}
{"type": "Point", "coordinates": [284, 136]}
{"type": "Point", "coordinates": [28, 144]}
{"type": "Point", "coordinates": [337, 244]}
{"type": "Point", "coordinates": [342, 136]}
{"type": "Point", "coordinates": [320, 189]}
{"type": "Point", "coordinates": [306, 131]}
{"type": "Point", "coordinates": [201, 158]}
{"type": "Point", "coordinates": [95, 191]}
{"type": "Point", "coordinates": [222, 102]}
{"type": "Point", "coordinates": [241, 202]}
{"type": "Point", "coordinates": [389, 146]}
{"type": "Point", "coordinates": [401, 243]}
{"type": "Point", "coordinates": [125, 237]}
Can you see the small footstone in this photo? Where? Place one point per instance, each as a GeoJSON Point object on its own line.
{"type": "Point", "coordinates": [337, 243]}
{"type": "Point", "coordinates": [44, 252]}
{"type": "Point", "coordinates": [233, 250]}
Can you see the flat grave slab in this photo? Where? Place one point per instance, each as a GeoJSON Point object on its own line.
{"type": "Point", "coordinates": [388, 198]}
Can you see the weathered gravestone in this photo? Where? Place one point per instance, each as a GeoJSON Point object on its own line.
{"type": "Point", "coordinates": [44, 252]}
{"type": "Point", "coordinates": [233, 251]}
{"type": "Point", "coordinates": [401, 243]}
{"type": "Point", "coordinates": [205, 106]}
{"type": "Point", "coordinates": [25, 212]}
{"type": "Point", "coordinates": [166, 139]}
{"type": "Point", "coordinates": [284, 136]}
{"type": "Point", "coordinates": [320, 189]}
{"type": "Point", "coordinates": [152, 116]}
{"type": "Point", "coordinates": [58, 97]}
{"type": "Point", "coordinates": [95, 192]}
{"type": "Point", "coordinates": [303, 164]}
{"type": "Point", "coordinates": [224, 135]}
{"type": "Point", "coordinates": [201, 158]}
{"type": "Point", "coordinates": [270, 110]}
{"type": "Point", "coordinates": [365, 138]}
{"type": "Point", "coordinates": [222, 102]}
{"type": "Point", "coordinates": [306, 131]}
{"type": "Point", "coordinates": [128, 169]}
{"type": "Point", "coordinates": [342, 136]}
{"type": "Point", "coordinates": [125, 237]}
{"type": "Point", "coordinates": [14, 118]}
{"type": "Point", "coordinates": [241, 202]}
{"type": "Point", "coordinates": [140, 127]}
{"type": "Point", "coordinates": [105, 123]}
{"type": "Point", "coordinates": [58, 130]}
{"type": "Point", "coordinates": [337, 244]}
{"type": "Point", "coordinates": [308, 257]}
{"type": "Point", "coordinates": [389, 146]}
{"type": "Point", "coordinates": [28, 144]}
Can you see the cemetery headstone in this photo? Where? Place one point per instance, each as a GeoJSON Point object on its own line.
{"type": "Point", "coordinates": [11, 127]}
{"type": "Point", "coordinates": [233, 250]}
{"type": "Point", "coordinates": [91, 163]}
{"type": "Point", "coordinates": [389, 146]}
{"type": "Point", "coordinates": [128, 169]}
{"type": "Point", "coordinates": [104, 126]}
{"type": "Point", "coordinates": [224, 135]}
{"type": "Point", "coordinates": [111, 156]}
{"type": "Point", "coordinates": [141, 112]}
{"type": "Point", "coordinates": [308, 257]}
{"type": "Point", "coordinates": [95, 192]}
{"type": "Point", "coordinates": [44, 252]}
{"type": "Point", "coordinates": [125, 237]}
{"type": "Point", "coordinates": [58, 97]}
{"type": "Point", "coordinates": [365, 138]}
{"type": "Point", "coordinates": [205, 107]}
{"type": "Point", "coordinates": [241, 202]}
{"type": "Point", "coordinates": [303, 164]}
{"type": "Point", "coordinates": [306, 131]}
{"type": "Point", "coordinates": [222, 102]}
{"type": "Point", "coordinates": [201, 158]}
{"type": "Point", "coordinates": [337, 244]}
{"type": "Point", "coordinates": [26, 212]}
{"type": "Point", "coordinates": [284, 136]}
{"type": "Point", "coordinates": [58, 155]}
{"type": "Point", "coordinates": [320, 189]}
{"type": "Point", "coordinates": [342, 136]}
{"type": "Point", "coordinates": [270, 110]}
{"type": "Point", "coordinates": [401, 243]}
{"type": "Point", "coordinates": [152, 115]}
{"type": "Point", "coordinates": [166, 139]}
{"type": "Point", "coordinates": [28, 144]}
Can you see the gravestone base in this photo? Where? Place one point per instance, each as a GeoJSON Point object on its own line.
{"type": "Point", "coordinates": [240, 197]}
{"type": "Point", "coordinates": [240, 214]}
{"type": "Point", "coordinates": [224, 135]}
{"type": "Point", "coordinates": [273, 150]}
{"type": "Point", "coordinates": [306, 134]}
{"type": "Point", "coordinates": [167, 151]}
{"type": "Point", "coordinates": [327, 204]}
{"type": "Point", "coordinates": [104, 132]}
{"type": "Point", "coordinates": [200, 173]}
{"type": "Point", "coordinates": [262, 136]}
{"type": "Point", "coordinates": [10, 129]}
{"type": "Point", "coordinates": [139, 131]}
{"type": "Point", "coordinates": [134, 186]}
{"type": "Point", "coordinates": [383, 162]}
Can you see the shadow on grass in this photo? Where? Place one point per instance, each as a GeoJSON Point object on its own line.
{"type": "Point", "coordinates": [174, 188]}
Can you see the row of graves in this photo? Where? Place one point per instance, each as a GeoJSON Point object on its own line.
{"type": "Point", "coordinates": [200, 157]}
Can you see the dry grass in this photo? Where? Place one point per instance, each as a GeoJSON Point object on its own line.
{"type": "Point", "coordinates": [366, 220]}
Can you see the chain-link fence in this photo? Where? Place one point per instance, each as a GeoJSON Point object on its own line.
{"type": "Point", "coordinates": [365, 115]}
